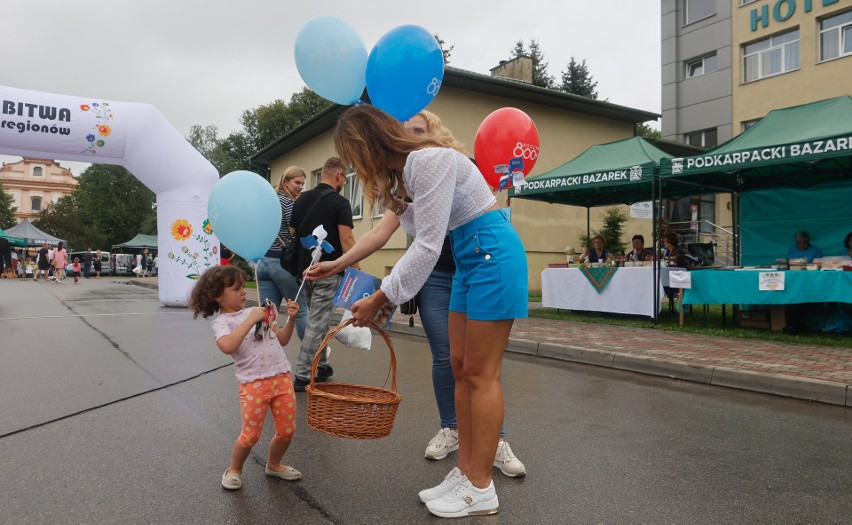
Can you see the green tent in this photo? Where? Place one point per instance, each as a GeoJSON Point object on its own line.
{"type": "Point", "coordinates": [796, 146]}
{"type": "Point", "coordinates": [621, 172]}
{"type": "Point", "coordinates": [140, 241]}
{"type": "Point", "coordinates": [14, 241]}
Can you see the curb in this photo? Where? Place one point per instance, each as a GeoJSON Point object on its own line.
{"type": "Point", "coordinates": [794, 387]}
{"type": "Point", "coordinates": [807, 389]}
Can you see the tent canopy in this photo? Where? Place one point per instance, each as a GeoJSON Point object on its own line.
{"type": "Point", "coordinates": [14, 241]}
{"type": "Point", "coordinates": [796, 146]}
{"type": "Point", "coordinates": [620, 172]}
{"type": "Point", "coordinates": [140, 241]}
{"type": "Point", "coordinates": [34, 237]}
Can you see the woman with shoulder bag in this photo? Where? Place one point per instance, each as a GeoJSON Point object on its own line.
{"type": "Point", "coordinates": [274, 282]}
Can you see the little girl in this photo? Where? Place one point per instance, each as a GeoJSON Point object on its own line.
{"type": "Point", "coordinates": [76, 269]}
{"type": "Point", "coordinates": [262, 368]}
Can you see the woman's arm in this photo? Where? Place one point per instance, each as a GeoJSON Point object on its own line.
{"type": "Point", "coordinates": [363, 248]}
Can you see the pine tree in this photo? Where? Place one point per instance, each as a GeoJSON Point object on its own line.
{"type": "Point", "coordinates": [540, 75]}
{"type": "Point", "coordinates": [446, 51]}
{"type": "Point", "coordinates": [7, 211]}
{"type": "Point", "coordinates": [577, 80]}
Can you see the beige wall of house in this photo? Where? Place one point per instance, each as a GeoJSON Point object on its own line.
{"type": "Point", "coordinates": [813, 80]}
{"type": "Point", "coordinates": [545, 228]}
{"type": "Point", "coordinates": [35, 184]}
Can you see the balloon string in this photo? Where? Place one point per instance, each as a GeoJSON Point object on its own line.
{"type": "Point", "coordinates": [256, 285]}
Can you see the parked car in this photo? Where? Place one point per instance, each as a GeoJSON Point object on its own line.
{"type": "Point", "coordinates": [107, 267]}
{"type": "Point", "coordinates": [123, 263]}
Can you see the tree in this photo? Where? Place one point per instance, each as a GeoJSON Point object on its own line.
{"type": "Point", "coordinates": [613, 228]}
{"type": "Point", "coordinates": [108, 206]}
{"type": "Point", "coordinates": [577, 80]}
{"type": "Point", "coordinates": [446, 51]}
{"type": "Point", "coordinates": [7, 211]}
{"type": "Point", "coordinates": [261, 126]}
{"type": "Point", "coordinates": [540, 75]}
{"type": "Point", "coordinates": [646, 131]}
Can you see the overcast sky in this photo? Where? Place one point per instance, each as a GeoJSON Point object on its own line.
{"type": "Point", "coordinates": [206, 61]}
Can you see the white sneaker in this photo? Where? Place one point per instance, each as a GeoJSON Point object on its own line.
{"type": "Point", "coordinates": [452, 479]}
{"type": "Point", "coordinates": [465, 500]}
{"type": "Point", "coordinates": [444, 442]}
{"type": "Point", "coordinates": [506, 461]}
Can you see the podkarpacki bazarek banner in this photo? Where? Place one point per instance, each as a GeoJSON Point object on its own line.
{"type": "Point", "coordinates": [752, 158]}
{"type": "Point", "coordinates": [61, 126]}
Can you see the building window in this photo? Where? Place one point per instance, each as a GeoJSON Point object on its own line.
{"type": "Point", "coordinates": [699, 9]}
{"type": "Point", "coordinates": [771, 56]}
{"type": "Point", "coordinates": [747, 124]}
{"type": "Point", "coordinates": [835, 36]}
{"type": "Point", "coordinates": [352, 192]}
{"type": "Point", "coordinates": [35, 203]}
{"type": "Point", "coordinates": [38, 171]}
{"type": "Point", "coordinates": [706, 138]}
{"type": "Point", "coordinates": [746, 2]}
{"type": "Point", "coordinates": [701, 66]}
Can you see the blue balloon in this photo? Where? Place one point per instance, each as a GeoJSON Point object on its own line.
{"type": "Point", "coordinates": [332, 59]}
{"type": "Point", "coordinates": [404, 71]}
{"type": "Point", "coordinates": [245, 213]}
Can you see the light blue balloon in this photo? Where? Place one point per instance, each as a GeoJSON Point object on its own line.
{"type": "Point", "coordinates": [332, 59]}
{"type": "Point", "coordinates": [245, 213]}
{"type": "Point", "coordinates": [404, 71]}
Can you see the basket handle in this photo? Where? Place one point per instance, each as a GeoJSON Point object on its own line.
{"type": "Point", "coordinates": [330, 335]}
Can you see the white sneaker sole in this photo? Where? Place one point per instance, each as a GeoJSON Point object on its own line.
{"type": "Point", "coordinates": [483, 508]}
{"type": "Point", "coordinates": [438, 458]}
{"type": "Point", "coordinates": [510, 473]}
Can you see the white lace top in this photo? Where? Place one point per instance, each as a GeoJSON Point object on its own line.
{"type": "Point", "coordinates": [447, 191]}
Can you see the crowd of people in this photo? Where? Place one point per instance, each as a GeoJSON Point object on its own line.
{"type": "Point", "coordinates": [56, 264]}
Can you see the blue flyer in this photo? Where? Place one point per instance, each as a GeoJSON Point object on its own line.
{"type": "Point", "coordinates": [355, 286]}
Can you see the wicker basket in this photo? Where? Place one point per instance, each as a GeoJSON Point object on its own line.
{"type": "Point", "coordinates": [352, 411]}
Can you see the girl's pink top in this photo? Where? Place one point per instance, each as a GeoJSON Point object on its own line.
{"type": "Point", "coordinates": [253, 359]}
{"type": "Point", "coordinates": [75, 267]}
{"type": "Point", "coordinates": [61, 257]}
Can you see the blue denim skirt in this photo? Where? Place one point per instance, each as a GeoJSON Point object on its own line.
{"type": "Point", "coordinates": [491, 279]}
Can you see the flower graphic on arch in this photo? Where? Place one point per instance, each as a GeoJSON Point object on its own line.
{"type": "Point", "coordinates": [181, 229]}
{"type": "Point", "coordinates": [104, 130]}
{"type": "Point", "coordinates": [84, 107]}
{"type": "Point", "coordinates": [207, 227]}
{"type": "Point", "coordinates": [100, 143]}
{"type": "Point", "coordinates": [90, 137]}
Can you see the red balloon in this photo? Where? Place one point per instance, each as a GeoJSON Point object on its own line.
{"type": "Point", "coordinates": [506, 139]}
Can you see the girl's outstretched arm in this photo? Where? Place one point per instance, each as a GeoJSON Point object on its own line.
{"type": "Point", "coordinates": [286, 332]}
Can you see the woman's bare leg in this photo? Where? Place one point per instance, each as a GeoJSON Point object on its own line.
{"type": "Point", "coordinates": [476, 354]}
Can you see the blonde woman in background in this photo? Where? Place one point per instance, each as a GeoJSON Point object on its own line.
{"type": "Point", "coordinates": [274, 282]}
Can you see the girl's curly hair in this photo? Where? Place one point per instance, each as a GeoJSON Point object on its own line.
{"type": "Point", "coordinates": [211, 285]}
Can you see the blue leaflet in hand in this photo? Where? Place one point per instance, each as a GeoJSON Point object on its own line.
{"type": "Point", "coordinates": [355, 286]}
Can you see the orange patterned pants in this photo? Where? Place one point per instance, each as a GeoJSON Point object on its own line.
{"type": "Point", "coordinates": [256, 397]}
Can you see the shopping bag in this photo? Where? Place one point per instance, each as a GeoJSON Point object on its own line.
{"type": "Point", "coordinates": [137, 270]}
{"type": "Point", "coordinates": [354, 336]}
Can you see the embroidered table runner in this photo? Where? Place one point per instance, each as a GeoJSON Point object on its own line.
{"type": "Point", "coordinates": [599, 277]}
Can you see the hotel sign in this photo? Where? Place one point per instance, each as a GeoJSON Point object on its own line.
{"type": "Point", "coordinates": [782, 10]}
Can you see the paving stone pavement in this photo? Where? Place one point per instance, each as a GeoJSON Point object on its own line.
{"type": "Point", "coordinates": [810, 372]}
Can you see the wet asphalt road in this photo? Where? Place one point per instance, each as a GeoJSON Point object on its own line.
{"type": "Point", "coordinates": [118, 410]}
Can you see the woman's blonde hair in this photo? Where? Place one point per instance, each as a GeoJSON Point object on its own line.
{"type": "Point", "coordinates": [368, 139]}
{"type": "Point", "coordinates": [289, 174]}
{"type": "Point", "coordinates": [437, 129]}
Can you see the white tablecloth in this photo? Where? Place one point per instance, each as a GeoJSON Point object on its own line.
{"type": "Point", "coordinates": [630, 291]}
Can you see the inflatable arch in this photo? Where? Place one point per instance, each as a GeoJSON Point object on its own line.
{"type": "Point", "coordinates": [135, 136]}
